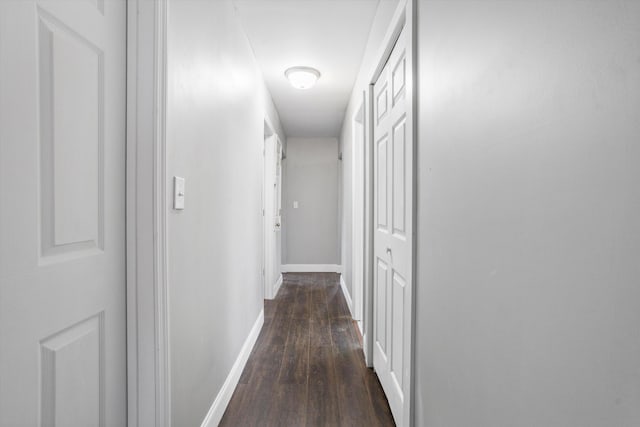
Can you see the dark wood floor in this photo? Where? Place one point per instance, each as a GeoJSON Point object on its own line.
{"type": "Point", "coordinates": [307, 367]}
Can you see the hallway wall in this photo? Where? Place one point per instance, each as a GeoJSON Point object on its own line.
{"type": "Point", "coordinates": [528, 295]}
{"type": "Point", "coordinates": [311, 179]}
{"type": "Point", "coordinates": [216, 104]}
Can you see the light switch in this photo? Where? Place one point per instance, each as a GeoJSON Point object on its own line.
{"type": "Point", "coordinates": [178, 193]}
{"type": "Point", "coordinates": [295, 205]}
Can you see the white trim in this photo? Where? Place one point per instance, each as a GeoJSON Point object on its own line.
{"type": "Point", "coordinates": [276, 286]}
{"type": "Point", "coordinates": [311, 268]}
{"type": "Point", "coordinates": [268, 235]}
{"type": "Point", "coordinates": [271, 197]}
{"type": "Point", "coordinates": [398, 22]}
{"type": "Point", "coordinates": [221, 401]}
{"type": "Point", "coordinates": [412, 121]}
{"type": "Point", "coordinates": [358, 210]}
{"type": "Point", "coordinates": [148, 378]}
{"type": "Point", "coordinates": [347, 295]}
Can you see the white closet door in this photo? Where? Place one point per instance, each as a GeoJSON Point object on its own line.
{"type": "Point", "coordinates": [393, 168]}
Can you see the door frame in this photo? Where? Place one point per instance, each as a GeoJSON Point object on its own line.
{"type": "Point", "coordinates": [148, 363]}
{"type": "Point", "coordinates": [358, 209]}
{"type": "Point", "coordinates": [269, 236]}
{"type": "Point", "coordinates": [403, 18]}
{"type": "Point", "coordinates": [147, 186]}
{"type": "Point", "coordinates": [266, 253]}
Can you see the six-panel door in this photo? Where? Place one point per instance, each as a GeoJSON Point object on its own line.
{"type": "Point", "coordinates": [392, 231]}
{"type": "Point", "coordinates": [62, 214]}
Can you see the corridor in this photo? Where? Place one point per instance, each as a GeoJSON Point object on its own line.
{"type": "Point", "coordinates": [319, 213]}
{"type": "Point", "coordinates": [307, 367]}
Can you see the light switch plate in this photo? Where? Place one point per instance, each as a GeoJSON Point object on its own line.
{"type": "Point", "coordinates": [178, 193]}
{"type": "Point", "coordinates": [295, 205]}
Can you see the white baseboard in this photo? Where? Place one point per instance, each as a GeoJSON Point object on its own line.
{"type": "Point", "coordinates": [276, 286]}
{"type": "Point", "coordinates": [347, 295]}
{"type": "Point", "coordinates": [224, 396]}
{"type": "Point", "coordinates": [311, 268]}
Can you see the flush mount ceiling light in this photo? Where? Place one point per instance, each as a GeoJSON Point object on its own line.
{"type": "Point", "coordinates": [302, 77]}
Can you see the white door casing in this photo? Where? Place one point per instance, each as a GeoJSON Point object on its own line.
{"type": "Point", "coordinates": [277, 195]}
{"type": "Point", "coordinates": [62, 215]}
{"type": "Point", "coordinates": [277, 220]}
{"type": "Point", "coordinates": [268, 215]}
{"type": "Point", "coordinates": [358, 211]}
{"type": "Point", "coordinates": [272, 208]}
{"type": "Point", "coordinates": [393, 230]}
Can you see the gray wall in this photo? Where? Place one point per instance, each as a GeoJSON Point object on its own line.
{"type": "Point", "coordinates": [528, 282]}
{"type": "Point", "coordinates": [312, 180]}
{"type": "Point", "coordinates": [216, 106]}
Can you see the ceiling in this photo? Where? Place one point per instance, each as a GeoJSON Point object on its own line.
{"type": "Point", "coordinates": [329, 35]}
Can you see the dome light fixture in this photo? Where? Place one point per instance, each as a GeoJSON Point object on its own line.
{"type": "Point", "coordinates": [302, 77]}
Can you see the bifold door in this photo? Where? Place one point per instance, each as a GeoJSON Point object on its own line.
{"type": "Point", "coordinates": [392, 261]}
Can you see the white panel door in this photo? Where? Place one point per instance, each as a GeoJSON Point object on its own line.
{"type": "Point", "coordinates": [62, 213]}
{"type": "Point", "coordinates": [392, 265]}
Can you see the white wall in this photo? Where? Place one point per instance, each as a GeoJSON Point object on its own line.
{"type": "Point", "coordinates": [216, 106]}
{"type": "Point", "coordinates": [312, 180]}
{"type": "Point", "coordinates": [379, 26]}
{"type": "Point", "coordinates": [528, 290]}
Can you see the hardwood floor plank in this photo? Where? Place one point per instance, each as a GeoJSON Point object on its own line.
{"type": "Point", "coordinates": [378, 400]}
{"type": "Point", "coordinates": [291, 409]}
{"type": "Point", "coordinates": [302, 303]}
{"type": "Point", "coordinates": [322, 402]}
{"type": "Point", "coordinates": [337, 304]}
{"type": "Point", "coordinates": [295, 362]}
{"type": "Point", "coordinates": [254, 358]}
{"type": "Point", "coordinates": [320, 328]}
{"type": "Point", "coordinates": [355, 405]}
{"type": "Point", "coordinates": [233, 416]}
{"type": "Point", "coordinates": [256, 405]}
{"type": "Point", "coordinates": [279, 330]}
{"type": "Point", "coordinates": [269, 364]}
{"type": "Point", "coordinates": [270, 306]}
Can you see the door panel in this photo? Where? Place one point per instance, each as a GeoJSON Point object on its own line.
{"type": "Point", "coordinates": [71, 137]}
{"type": "Point", "coordinates": [393, 169]}
{"type": "Point", "coordinates": [381, 103]}
{"type": "Point", "coordinates": [381, 184]}
{"type": "Point", "coordinates": [62, 258]}
{"type": "Point", "coordinates": [381, 284]}
{"type": "Point", "coordinates": [399, 185]}
{"type": "Point", "coordinates": [397, 347]}
{"type": "Point", "coordinates": [72, 361]}
{"type": "Point", "coordinates": [399, 77]}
